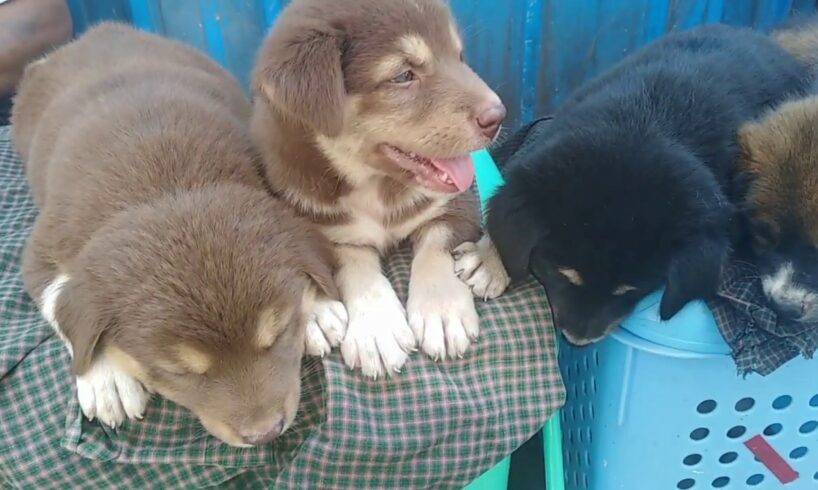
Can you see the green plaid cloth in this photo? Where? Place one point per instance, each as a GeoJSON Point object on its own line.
{"type": "Point", "coordinates": [433, 426]}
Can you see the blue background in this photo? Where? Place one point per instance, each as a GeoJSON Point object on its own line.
{"type": "Point", "coordinates": [533, 52]}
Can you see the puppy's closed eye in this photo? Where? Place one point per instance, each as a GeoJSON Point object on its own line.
{"type": "Point", "coordinates": [623, 289]}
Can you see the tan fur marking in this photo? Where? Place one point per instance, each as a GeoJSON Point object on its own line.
{"type": "Point", "coordinates": [192, 359]}
{"type": "Point", "coordinates": [572, 275]}
{"type": "Point", "coordinates": [127, 363]}
{"type": "Point", "coordinates": [416, 49]}
{"type": "Point", "coordinates": [271, 323]}
{"type": "Point", "coordinates": [388, 67]}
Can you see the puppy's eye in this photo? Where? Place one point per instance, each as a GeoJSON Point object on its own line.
{"type": "Point", "coordinates": [623, 289]}
{"type": "Point", "coordinates": [405, 77]}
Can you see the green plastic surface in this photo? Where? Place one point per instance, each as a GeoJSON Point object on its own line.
{"type": "Point", "coordinates": [488, 180]}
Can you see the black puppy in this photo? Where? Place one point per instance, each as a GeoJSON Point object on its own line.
{"type": "Point", "coordinates": [629, 190]}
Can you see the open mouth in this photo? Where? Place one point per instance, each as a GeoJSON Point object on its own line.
{"type": "Point", "coordinates": [438, 174]}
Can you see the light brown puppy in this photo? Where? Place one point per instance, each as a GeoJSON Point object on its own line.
{"type": "Point", "coordinates": [159, 256]}
{"type": "Point", "coordinates": [779, 167]}
{"type": "Point", "coordinates": [365, 113]}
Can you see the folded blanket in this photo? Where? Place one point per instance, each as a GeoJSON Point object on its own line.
{"type": "Point", "coordinates": [433, 426]}
{"type": "Point", "coordinates": [759, 342]}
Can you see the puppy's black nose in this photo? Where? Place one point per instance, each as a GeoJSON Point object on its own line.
{"type": "Point", "coordinates": [490, 118]}
{"type": "Point", "coordinates": [265, 437]}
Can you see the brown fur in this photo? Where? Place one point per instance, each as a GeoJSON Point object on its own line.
{"type": "Point", "coordinates": [138, 153]}
{"type": "Point", "coordinates": [801, 40]}
{"type": "Point", "coordinates": [316, 77]}
{"type": "Point", "coordinates": [780, 154]}
{"type": "Point", "coordinates": [328, 107]}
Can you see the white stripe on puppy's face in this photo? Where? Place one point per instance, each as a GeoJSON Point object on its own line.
{"type": "Point", "coordinates": [48, 307]}
{"type": "Point", "coordinates": [782, 288]}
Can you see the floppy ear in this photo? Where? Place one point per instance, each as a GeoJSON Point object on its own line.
{"type": "Point", "coordinates": [694, 273]}
{"type": "Point", "coordinates": [319, 264]}
{"type": "Point", "coordinates": [80, 322]}
{"type": "Point", "coordinates": [299, 72]}
{"type": "Point", "coordinates": [513, 231]}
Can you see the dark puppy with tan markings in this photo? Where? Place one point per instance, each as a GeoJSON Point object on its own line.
{"type": "Point", "coordinates": [631, 188]}
{"type": "Point", "coordinates": [365, 113]}
{"type": "Point", "coordinates": [159, 256]}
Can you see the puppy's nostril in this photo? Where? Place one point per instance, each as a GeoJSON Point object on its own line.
{"type": "Point", "coordinates": [489, 119]}
{"type": "Point", "coordinates": [265, 437]}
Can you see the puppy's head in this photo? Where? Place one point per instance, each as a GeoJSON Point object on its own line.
{"type": "Point", "coordinates": [202, 297]}
{"type": "Point", "coordinates": [603, 218]}
{"type": "Point", "coordinates": [780, 165]}
{"type": "Point", "coordinates": [384, 86]}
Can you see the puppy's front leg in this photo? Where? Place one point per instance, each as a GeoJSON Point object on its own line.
{"type": "Point", "coordinates": [378, 339]}
{"type": "Point", "coordinates": [441, 308]}
{"type": "Point", "coordinates": [479, 265]}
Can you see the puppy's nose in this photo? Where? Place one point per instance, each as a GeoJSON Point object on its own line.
{"type": "Point", "coordinates": [490, 118]}
{"type": "Point", "coordinates": [265, 437]}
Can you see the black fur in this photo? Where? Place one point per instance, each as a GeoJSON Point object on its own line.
{"type": "Point", "coordinates": [631, 184]}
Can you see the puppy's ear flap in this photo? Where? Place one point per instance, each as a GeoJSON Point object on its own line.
{"type": "Point", "coordinates": [514, 232]}
{"type": "Point", "coordinates": [299, 73]}
{"type": "Point", "coordinates": [694, 273]}
{"type": "Point", "coordinates": [319, 264]}
{"type": "Point", "coordinates": [80, 322]}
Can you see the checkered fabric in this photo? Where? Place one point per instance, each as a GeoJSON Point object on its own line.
{"type": "Point", "coordinates": [760, 342]}
{"type": "Point", "coordinates": [433, 426]}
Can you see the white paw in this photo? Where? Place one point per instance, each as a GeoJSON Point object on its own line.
{"type": "Point", "coordinates": [110, 395]}
{"type": "Point", "coordinates": [442, 316]}
{"type": "Point", "coordinates": [479, 266]}
{"type": "Point", "coordinates": [326, 327]}
{"type": "Point", "coordinates": [378, 338]}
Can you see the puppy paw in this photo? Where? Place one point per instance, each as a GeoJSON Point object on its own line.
{"type": "Point", "coordinates": [442, 316]}
{"type": "Point", "coordinates": [378, 339]}
{"type": "Point", "coordinates": [479, 266]}
{"type": "Point", "coordinates": [108, 394]}
{"type": "Point", "coordinates": [326, 327]}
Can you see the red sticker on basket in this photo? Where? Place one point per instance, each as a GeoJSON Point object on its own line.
{"type": "Point", "coordinates": [771, 459]}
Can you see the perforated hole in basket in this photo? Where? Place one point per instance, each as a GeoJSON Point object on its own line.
{"type": "Point", "coordinates": [686, 483]}
{"type": "Point", "coordinates": [721, 482]}
{"type": "Point", "coordinates": [745, 404]}
{"type": "Point", "coordinates": [798, 452]}
{"type": "Point", "coordinates": [782, 402]}
{"type": "Point", "coordinates": [736, 432]}
{"type": "Point", "coordinates": [773, 429]}
{"type": "Point", "coordinates": [728, 457]}
{"type": "Point", "coordinates": [755, 480]}
{"type": "Point", "coordinates": [706, 407]}
{"type": "Point", "coordinates": [808, 427]}
{"type": "Point", "coordinates": [692, 459]}
{"type": "Point", "coordinates": [699, 434]}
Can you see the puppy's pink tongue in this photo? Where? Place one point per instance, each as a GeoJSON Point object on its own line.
{"type": "Point", "coordinates": [460, 169]}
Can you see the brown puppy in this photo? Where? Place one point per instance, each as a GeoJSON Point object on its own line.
{"type": "Point", "coordinates": [158, 256]}
{"type": "Point", "coordinates": [780, 164]}
{"type": "Point", "coordinates": [366, 113]}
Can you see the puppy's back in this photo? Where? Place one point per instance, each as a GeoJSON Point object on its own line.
{"type": "Point", "coordinates": [118, 118]}
{"type": "Point", "coordinates": [59, 89]}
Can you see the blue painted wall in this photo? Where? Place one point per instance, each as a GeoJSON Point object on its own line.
{"type": "Point", "coordinates": [533, 52]}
